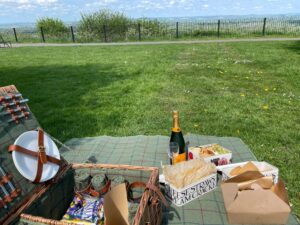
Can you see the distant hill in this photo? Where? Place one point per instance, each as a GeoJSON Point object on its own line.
{"type": "Point", "coordinates": [175, 19]}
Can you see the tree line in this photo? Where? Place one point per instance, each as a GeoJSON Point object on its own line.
{"type": "Point", "coordinates": [100, 23]}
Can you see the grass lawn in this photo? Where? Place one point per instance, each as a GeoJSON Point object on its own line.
{"type": "Point", "coordinates": [247, 90]}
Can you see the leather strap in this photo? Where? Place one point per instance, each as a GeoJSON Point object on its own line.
{"type": "Point", "coordinates": [7, 198]}
{"type": "Point", "coordinates": [158, 192]}
{"type": "Point", "coordinates": [26, 114]}
{"type": "Point", "coordinates": [2, 204]}
{"type": "Point", "coordinates": [10, 111]}
{"type": "Point", "coordinates": [93, 192]}
{"type": "Point", "coordinates": [40, 155]}
{"type": "Point", "coordinates": [19, 148]}
{"type": "Point", "coordinates": [6, 179]}
{"type": "Point", "coordinates": [105, 188]}
{"type": "Point", "coordinates": [150, 187]}
{"type": "Point", "coordinates": [134, 185]}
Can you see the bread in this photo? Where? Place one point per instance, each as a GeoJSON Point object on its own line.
{"type": "Point", "coordinates": [185, 173]}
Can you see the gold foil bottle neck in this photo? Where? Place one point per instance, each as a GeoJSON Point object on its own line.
{"type": "Point", "coordinates": [176, 126]}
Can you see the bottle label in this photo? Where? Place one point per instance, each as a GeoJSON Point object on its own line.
{"type": "Point", "coordinates": [179, 158]}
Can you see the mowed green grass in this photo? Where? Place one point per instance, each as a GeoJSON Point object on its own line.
{"type": "Point", "coordinates": [246, 90]}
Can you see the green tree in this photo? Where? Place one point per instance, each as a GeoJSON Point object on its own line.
{"type": "Point", "coordinates": [150, 27]}
{"type": "Point", "coordinates": [91, 25]}
{"type": "Point", "coordinates": [51, 26]}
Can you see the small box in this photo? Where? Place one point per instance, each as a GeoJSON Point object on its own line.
{"type": "Point", "coordinates": [264, 168]}
{"type": "Point", "coordinates": [255, 206]}
{"type": "Point", "coordinates": [214, 153]}
{"type": "Point", "coordinates": [182, 196]}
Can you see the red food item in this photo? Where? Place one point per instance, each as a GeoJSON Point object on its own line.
{"type": "Point", "coordinates": [191, 156]}
{"type": "Point", "coordinates": [222, 161]}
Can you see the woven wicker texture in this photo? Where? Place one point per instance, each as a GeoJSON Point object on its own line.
{"type": "Point", "coordinates": [150, 151]}
{"type": "Point", "coordinates": [54, 202]}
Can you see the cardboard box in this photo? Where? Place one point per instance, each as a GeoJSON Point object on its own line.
{"type": "Point", "coordinates": [219, 158]}
{"type": "Point", "coordinates": [182, 196]}
{"type": "Point", "coordinates": [258, 206]}
{"type": "Point", "coordinates": [116, 206]}
{"type": "Point", "coordinates": [265, 168]}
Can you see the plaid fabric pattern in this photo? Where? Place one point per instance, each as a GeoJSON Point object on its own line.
{"type": "Point", "coordinates": [138, 150]}
{"type": "Point", "coordinates": [151, 151]}
{"type": "Point", "coordinates": [8, 134]}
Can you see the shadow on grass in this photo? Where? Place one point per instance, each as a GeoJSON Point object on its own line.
{"type": "Point", "coordinates": [72, 100]}
{"type": "Point", "coordinates": [295, 47]}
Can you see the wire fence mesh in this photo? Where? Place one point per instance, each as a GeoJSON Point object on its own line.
{"type": "Point", "coordinates": [153, 30]}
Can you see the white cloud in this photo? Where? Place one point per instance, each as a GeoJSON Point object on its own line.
{"type": "Point", "coordinates": [289, 6]}
{"type": "Point", "coordinates": [41, 2]}
{"type": "Point", "coordinates": [258, 7]}
{"type": "Point", "coordinates": [100, 3]}
{"type": "Point", "coordinates": [27, 4]}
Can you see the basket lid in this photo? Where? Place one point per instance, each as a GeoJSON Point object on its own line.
{"type": "Point", "coordinates": [18, 125]}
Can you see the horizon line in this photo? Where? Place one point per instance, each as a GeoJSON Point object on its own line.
{"type": "Point", "coordinates": [174, 17]}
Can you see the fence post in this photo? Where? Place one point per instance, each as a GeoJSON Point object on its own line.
{"type": "Point", "coordinates": [104, 31]}
{"type": "Point", "coordinates": [42, 34]}
{"type": "Point", "coordinates": [264, 27]}
{"type": "Point", "coordinates": [15, 33]}
{"type": "Point", "coordinates": [139, 31]}
{"type": "Point", "coordinates": [72, 34]}
{"type": "Point", "coordinates": [219, 26]}
{"type": "Point", "coordinates": [177, 31]}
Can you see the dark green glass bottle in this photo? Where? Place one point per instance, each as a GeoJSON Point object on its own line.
{"type": "Point", "coordinates": [176, 136]}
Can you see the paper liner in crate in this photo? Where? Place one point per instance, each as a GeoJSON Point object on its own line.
{"type": "Point", "coordinates": [211, 153]}
{"type": "Point", "coordinates": [189, 180]}
{"type": "Point", "coordinates": [234, 169]}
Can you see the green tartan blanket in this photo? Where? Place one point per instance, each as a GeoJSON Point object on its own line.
{"type": "Point", "coordinates": [151, 151]}
{"type": "Point", "coordinates": [137, 150]}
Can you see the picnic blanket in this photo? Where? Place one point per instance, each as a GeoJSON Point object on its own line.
{"type": "Point", "coordinates": [136, 150]}
{"type": "Point", "coordinates": [151, 151]}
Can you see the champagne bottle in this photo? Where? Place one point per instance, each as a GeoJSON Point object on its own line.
{"type": "Point", "coordinates": [176, 136]}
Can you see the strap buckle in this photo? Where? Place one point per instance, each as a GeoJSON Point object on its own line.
{"type": "Point", "coordinates": [42, 154]}
{"type": "Point", "coordinates": [42, 149]}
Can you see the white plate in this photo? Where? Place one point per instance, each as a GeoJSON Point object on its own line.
{"type": "Point", "coordinates": [26, 164]}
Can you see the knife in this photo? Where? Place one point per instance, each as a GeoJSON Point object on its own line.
{"type": "Point", "coordinates": [16, 118]}
{"type": "Point", "coordinates": [2, 98]}
{"type": "Point", "coordinates": [12, 111]}
{"type": "Point", "coordinates": [15, 103]}
{"type": "Point", "coordinates": [5, 178]}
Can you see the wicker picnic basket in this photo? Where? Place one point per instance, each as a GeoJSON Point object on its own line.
{"type": "Point", "coordinates": [46, 203]}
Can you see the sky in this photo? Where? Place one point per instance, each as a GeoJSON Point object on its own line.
{"type": "Point", "coordinates": [12, 11]}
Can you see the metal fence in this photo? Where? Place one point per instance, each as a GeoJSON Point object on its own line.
{"type": "Point", "coordinates": [148, 30]}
